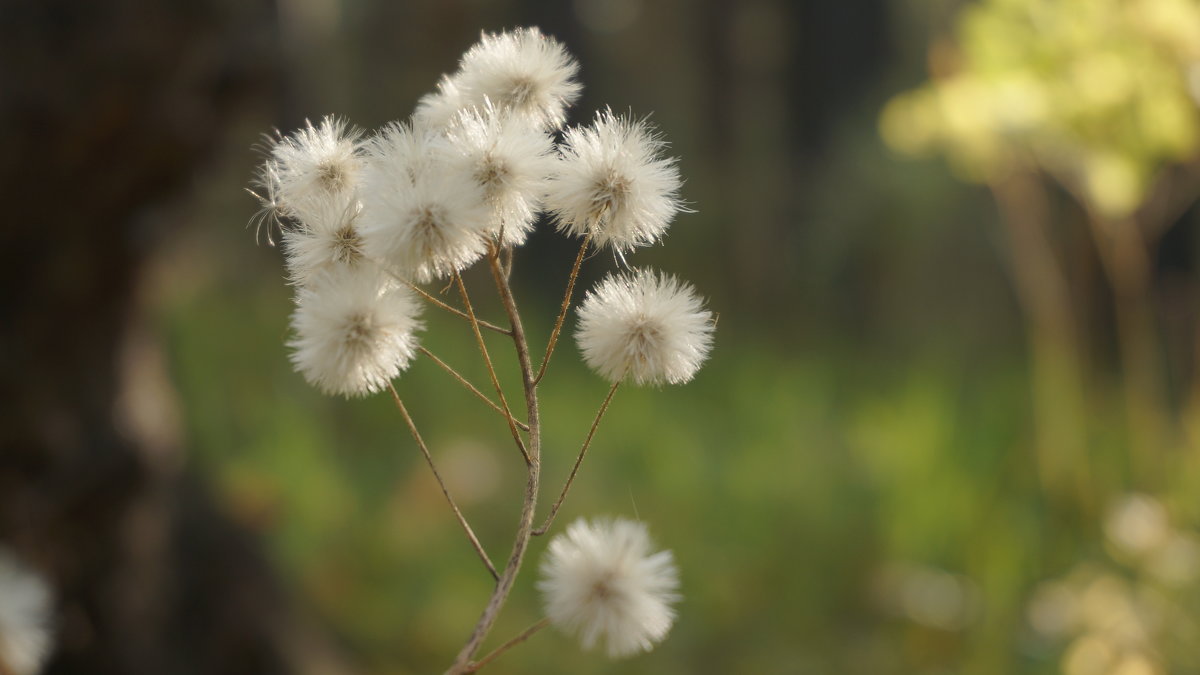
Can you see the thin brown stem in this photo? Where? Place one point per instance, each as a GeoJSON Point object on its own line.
{"type": "Point", "coordinates": [462, 663]}
{"type": "Point", "coordinates": [412, 427]}
{"type": "Point", "coordinates": [487, 360]}
{"type": "Point", "coordinates": [456, 311]}
{"type": "Point", "coordinates": [578, 460]}
{"type": "Point", "coordinates": [466, 383]}
{"type": "Point", "coordinates": [509, 254]}
{"type": "Point", "coordinates": [495, 653]}
{"type": "Point", "coordinates": [566, 303]}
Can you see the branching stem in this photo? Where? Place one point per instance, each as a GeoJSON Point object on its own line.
{"type": "Point", "coordinates": [463, 663]}
{"type": "Point", "coordinates": [578, 460]}
{"type": "Point", "coordinates": [466, 383]}
{"type": "Point", "coordinates": [412, 427]}
{"type": "Point", "coordinates": [456, 311]}
{"type": "Point", "coordinates": [566, 303]}
{"type": "Point", "coordinates": [495, 653]}
{"type": "Point", "coordinates": [487, 360]}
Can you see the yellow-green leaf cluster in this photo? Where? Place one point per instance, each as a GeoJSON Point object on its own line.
{"type": "Point", "coordinates": [1100, 93]}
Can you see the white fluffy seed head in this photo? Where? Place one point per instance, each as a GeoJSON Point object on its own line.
{"type": "Point", "coordinates": [402, 152]}
{"type": "Point", "coordinates": [613, 181]}
{"type": "Point", "coordinates": [317, 168]}
{"type": "Point", "coordinates": [509, 160]}
{"type": "Point", "coordinates": [354, 331]}
{"type": "Point", "coordinates": [646, 326]}
{"type": "Point", "coordinates": [422, 216]}
{"type": "Point", "coordinates": [522, 72]}
{"type": "Point", "coordinates": [26, 634]}
{"type": "Point", "coordinates": [600, 581]}
{"type": "Point", "coordinates": [437, 110]}
{"type": "Point", "coordinates": [328, 240]}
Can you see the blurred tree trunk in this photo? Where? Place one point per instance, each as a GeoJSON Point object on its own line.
{"type": "Point", "coordinates": [107, 109]}
{"type": "Point", "coordinates": [773, 65]}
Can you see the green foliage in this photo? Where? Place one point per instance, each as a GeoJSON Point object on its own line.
{"type": "Point", "coordinates": [1101, 93]}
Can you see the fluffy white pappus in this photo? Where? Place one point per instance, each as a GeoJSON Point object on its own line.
{"type": "Point", "coordinates": [317, 167]}
{"type": "Point", "coordinates": [26, 634]}
{"type": "Point", "coordinates": [613, 181]}
{"type": "Point", "coordinates": [522, 72]}
{"type": "Point", "coordinates": [355, 331]}
{"type": "Point", "coordinates": [330, 239]}
{"type": "Point", "coordinates": [437, 110]}
{"type": "Point", "coordinates": [422, 217]}
{"type": "Point", "coordinates": [401, 153]}
{"type": "Point", "coordinates": [601, 581]}
{"type": "Point", "coordinates": [646, 326]}
{"type": "Point", "coordinates": [510, 161]}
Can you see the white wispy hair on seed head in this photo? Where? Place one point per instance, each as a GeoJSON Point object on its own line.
{"type": "Point", "coordinates": [402, 150]}
{"type": "Point", "coordinates": [646, 326]}
{"type": "Point", "coordinates": [600, 581]}
{"type": "Point", "coordinates": [613, 181]}
{"type": "Point", "coordinates": [271, 212]}
{"type": "Point", "coordinates": [437, 110]}
{"type": "Point", "coordinates": [522, 72]}
{"type": "Point", "coordinates": [317, 167]}
{"type": "Point", "coordinates": [510, 161]}
{"type": "Point", "coordinates": [329, 239]}
{"type": "Point", "coordinates": [422, 217]}
{"type": "Point", "coordinates": [25, 617]}
{"type": "Point", "coordinates": [354, 331]}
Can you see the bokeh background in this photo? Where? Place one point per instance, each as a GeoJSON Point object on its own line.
{"type": "Point", "coordinates": [951, 423]}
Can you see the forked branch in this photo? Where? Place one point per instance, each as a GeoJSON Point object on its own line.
{"type": "Point", "coordinates": [487, 360]}
{"type": "Point", "coordinates": [466, 383]}
{"type": "Point", "coordinates": [495, 653]}
{"type": "Point", "coordinates": [463, 663]}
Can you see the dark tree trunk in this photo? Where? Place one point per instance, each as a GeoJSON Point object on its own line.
{"type": "Point", "coordinates": [106, 108]}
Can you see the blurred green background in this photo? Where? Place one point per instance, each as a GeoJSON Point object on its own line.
{"type": "Point", "coordinates": [932, 379]}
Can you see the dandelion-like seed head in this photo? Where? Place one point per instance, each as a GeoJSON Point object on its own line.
{"type": "Point", "coordinates": [317, 168]}
{"type": "Point", "coordinates": [402, 152]}
{"type": "Point", "coordinates": [522, 72]}
{"type": "Point", "coordinates": [613, 182]}
{"type": "Point", "coordinates": [646, 326]}
{"type": "Point", "coordinates": [509, 160]}
{"type": "Point", "coordinates": [329, 240]}
{"type": "Point", "coordinates": [25, 617]}
{"type": "Point", "coordinates": [354, 331]}
{"type": "Point", "coordinates": [602, 582]}
{"type": "Point", "coordinates": [423, 215]}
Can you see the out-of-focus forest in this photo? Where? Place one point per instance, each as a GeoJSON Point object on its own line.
{"type": "Point", "coordinates": [951, 423]}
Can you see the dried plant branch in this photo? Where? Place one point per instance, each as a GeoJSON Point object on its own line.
{"type": "Point", "coordinates": [466, 383]}
{"type": "Point", "coordinates": [498, 651]}
{"type": "Point", "coordinates": [412, 427]}
{"type": "Point", "coordinates": [456, 311]}
{"type": "Point", "coordinates": [509, 253]}
{"type": "Point", "coordinates": [462, 663]}
{"type": "Point", "coordinates": [566, 303]}
{"type": "Point", "coordinates": [487, 360]}
{"type": "Point", "coordinates": [578, 460]}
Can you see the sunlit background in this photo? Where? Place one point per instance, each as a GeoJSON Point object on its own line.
{"type": "Point", "coordinates": [951, 423]}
